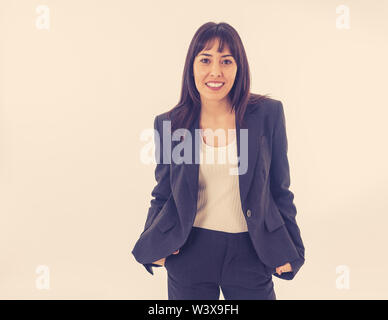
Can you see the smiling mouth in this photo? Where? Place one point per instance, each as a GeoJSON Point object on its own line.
{"type": "Point", "coordinates": [215, 84]}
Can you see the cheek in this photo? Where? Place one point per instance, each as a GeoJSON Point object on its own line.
{"type": "Point", "coordinates": [232, 76]}
{"type": "Point", "coordinates": [200, 77]}
{"type": "Point", "coordinates": [201, 72]}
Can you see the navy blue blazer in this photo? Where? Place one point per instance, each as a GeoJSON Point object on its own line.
{"type": "Point", "coordinates": [266, 200]}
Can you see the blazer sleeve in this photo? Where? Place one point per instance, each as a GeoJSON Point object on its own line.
{"type": "Point", "coordinates": [280, 183]}
{"type": "Point", "coordinates": [162, 189]}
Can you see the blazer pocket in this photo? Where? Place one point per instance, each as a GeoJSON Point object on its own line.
{"type": "Point", "coordinates": [273, 219]}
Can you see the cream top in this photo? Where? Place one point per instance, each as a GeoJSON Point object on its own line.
{"type": "Point", "coordinates": [219, 204]}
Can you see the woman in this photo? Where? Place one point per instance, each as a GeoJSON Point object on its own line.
{"type": "Point", "coordinates": [221, 224]}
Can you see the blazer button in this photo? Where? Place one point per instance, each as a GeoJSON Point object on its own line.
{"type": "Point", "coordinates": [248, 213]}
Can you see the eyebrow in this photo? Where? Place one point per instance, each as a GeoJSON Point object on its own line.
{"type": "Point", "coordinates": [209, 55]}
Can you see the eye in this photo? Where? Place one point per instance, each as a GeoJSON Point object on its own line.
{"type": "Point", "coordinates": [226, 60]}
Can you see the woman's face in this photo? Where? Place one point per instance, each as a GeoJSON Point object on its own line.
{"type": "Point", "coordinates": [212, 66]}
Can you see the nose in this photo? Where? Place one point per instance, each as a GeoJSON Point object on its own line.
{"type": "Point", "coordinates": [215, 70]}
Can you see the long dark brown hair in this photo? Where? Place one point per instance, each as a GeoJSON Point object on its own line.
{"type": "Point", "coordinates": [189, 106]}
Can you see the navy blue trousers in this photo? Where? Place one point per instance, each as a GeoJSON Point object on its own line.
{"type": "Point", "coordinates": [210, 260]}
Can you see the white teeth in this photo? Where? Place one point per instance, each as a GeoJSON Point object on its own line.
{"type": "Point", "coordinates": [215, 85]}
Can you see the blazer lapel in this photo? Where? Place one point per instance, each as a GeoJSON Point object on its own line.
{"type": "Point", "coordinates": [191, 170]}
{"type": "Point", "coordinates": [247, 151]}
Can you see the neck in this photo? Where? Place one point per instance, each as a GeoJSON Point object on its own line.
{"type": "Point", "coordinates": [214, 110]}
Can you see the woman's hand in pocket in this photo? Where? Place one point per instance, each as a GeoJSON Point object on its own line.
{"type": "Point", "coordinates": [161, 261]}
{"type": "Point", "coordinates": [284, 268]}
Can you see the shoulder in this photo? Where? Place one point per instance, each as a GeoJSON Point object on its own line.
{"type": "Point", "coordinates": [259, 105]}
{"type": "Point", "coordinates": [159, 118]}
{"type": "Point", "coordinates": [264, 107]}
{"type": "Point", "coordinates": [167, 115]}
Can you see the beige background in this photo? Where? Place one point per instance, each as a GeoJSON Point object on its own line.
{"type": "Point", "coordinates": [75, 98]}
